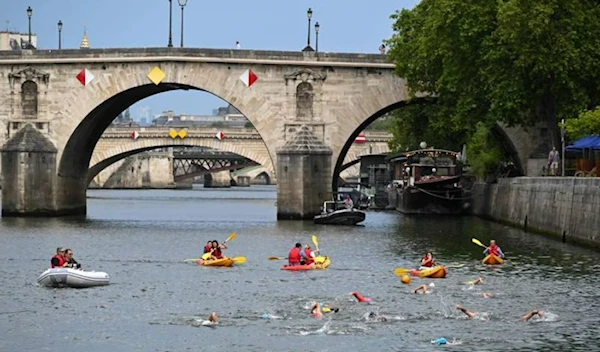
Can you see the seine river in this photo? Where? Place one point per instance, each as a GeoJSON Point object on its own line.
{"type": "Point", "coordinates": [156, 302]}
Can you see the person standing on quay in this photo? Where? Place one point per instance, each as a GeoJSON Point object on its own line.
{"type": "Point", "coordinates": [553, 159]}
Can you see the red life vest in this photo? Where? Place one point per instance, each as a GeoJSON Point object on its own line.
{"type": "Point", "coordinates": [428, 263]}
{"type": "Point", "coordinates": [217, 253]}
{"type": "Point", "coordinates": [207, 248]}
{"type": "Point", "coordinates": [310, 259]}
{"type": "Point", "coordinates": [61, 261]}
{"type": "Point", "coordinates": [493, 250]}
{"type": "Point", "coordinates": [294, 257]}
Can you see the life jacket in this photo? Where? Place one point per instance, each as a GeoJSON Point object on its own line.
{"type": "Point", "coordinates": [61, 261]}
{"type": "Point", "coordinates": [207, 248]}
{"type": "Point", "coordinates": [217, 253]}
{"type": "Point", "coordinates": [294, 257]}
{"type": "Point", "coordinates": [428, 263]}
{"type": "Point", "coordinates": [493, 250]}
{"type": "Point", "coordinates": [310, 259]}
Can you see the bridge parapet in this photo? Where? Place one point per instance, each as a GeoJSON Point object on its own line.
{"type": "Point", "coordinates": [194, 55]}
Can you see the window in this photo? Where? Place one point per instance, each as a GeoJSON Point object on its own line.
{"type": "Point", "coordinates": [29, 99]}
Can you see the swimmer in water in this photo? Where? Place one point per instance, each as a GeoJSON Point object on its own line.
{"type": "Point", "coordinates": [464, 310]}
{"type": "Point", "coordinates": [316, 310]}
{"type": "Point", "coordinates": [531, 314]}
{"type": "Point", "coordinates": [359, 297]}
{"type": "Point", "coordinates": [375, 317]}
{"type": "Point", "coordinates": [326, 308]}
{"type": "Point", "coordinates": [487, 295]}
{"type": "Point", "coordinates": [475, 282]}
{"type": "Point", "coordinates": [421, 290]}
{"type": "Point", "coordinates": [213, 318]}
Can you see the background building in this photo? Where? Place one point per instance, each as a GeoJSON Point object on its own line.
{"type": "Point", "coordinates": [16, 41]}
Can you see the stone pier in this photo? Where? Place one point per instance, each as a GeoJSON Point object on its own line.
{"type": "Point", "coordinates": [221, 179]}
{"type": "Point", "coordinates": [303, 173]}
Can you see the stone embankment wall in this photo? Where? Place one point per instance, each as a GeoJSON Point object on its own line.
{"type": "Point", "coordinates": [568, 207]}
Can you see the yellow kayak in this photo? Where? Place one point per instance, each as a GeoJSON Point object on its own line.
{"type": "Point", "coordinates": [436, 272]}
{"type": "Point", "coordinates": [225, 261]}
{"type": "Point", "coordinates": [492, 260]}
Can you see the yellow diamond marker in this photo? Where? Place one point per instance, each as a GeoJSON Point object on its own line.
{"type": "Point", "coordinates": [156, 75]}
{"type": "Point", "coordinates": [173, 134]}
{"type": "Point", "coordinates": [182, 134]}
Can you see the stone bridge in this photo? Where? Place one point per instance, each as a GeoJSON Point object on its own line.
{"type": "Point", "coordinates": [308, 108]}
{"type": "Point", "coordinates": [117, 143]}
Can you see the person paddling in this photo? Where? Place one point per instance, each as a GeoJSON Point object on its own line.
{"type": "Point", "coordinates": [216, 250]}
{"type": "Point", "coordinates": [427, 260]}
{"type": "Point", "coordinates": [493, 249]}
{"type": "Point", "coordinates": [297, 256]}
{"type": "Point", "coordinates": [207, 247]}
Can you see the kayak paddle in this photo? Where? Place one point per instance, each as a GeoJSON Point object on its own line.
{"type": "Point", "coordinates": [477, 242]}
{"type": "Point", "coordinates": [400, 271]}
{"type": "Point", "coordinates": [276, 258]}
{"type": "Point", "coordinates": [239, 259]}
{"type": "Point", "coordinates": [191, 260]}
{"type": "Point", "coordinates": [208, 254]}
{"type": "Point", "coordinates": [319, 259]}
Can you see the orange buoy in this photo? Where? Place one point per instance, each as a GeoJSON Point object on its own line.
{"type": "Point", "coordinates": [405, 279]}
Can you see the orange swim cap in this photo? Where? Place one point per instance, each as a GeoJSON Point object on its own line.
{"type": "Point", "coordinates": [405, 279]}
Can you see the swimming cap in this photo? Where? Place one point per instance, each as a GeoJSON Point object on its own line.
{"type": "Point", "coordinates": [440, 341]}
{"type": "Point", "coordinates": [432, 285]}
{"type": "Point", "coordinates": [322, 304]}
{"type": "Point", "coordinates": [265, 316]}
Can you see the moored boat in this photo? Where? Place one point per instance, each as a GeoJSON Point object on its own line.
{"type": "Point", "coordinates": [436, 272]}
{"type": "Point", "coordinates": [75, 278]}
{"type": "Point", "coordinates": [492, 260]}
{"type": "Point", "coordinates": [428, 181]}
{"type": "Point", "coordinates": [332, 216]}
{"type": "Point", "coordinates": [314, 266]}
{"type": "Point", "coordinates": [225, 261]}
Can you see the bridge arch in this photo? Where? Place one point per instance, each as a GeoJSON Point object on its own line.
{"type": "Point", "coordinates": [103, 159]}
{"type": "Point", "coordinates": [511, 139]}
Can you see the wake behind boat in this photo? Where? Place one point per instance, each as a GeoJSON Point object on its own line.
{"type": "Point", "coordinates": [333, 216]}
{"type": "Point", "coordinates": [75, 278]}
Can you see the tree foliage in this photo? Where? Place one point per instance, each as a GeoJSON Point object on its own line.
{"type": "Point", "coordinates": [515, 61]}
{"type": "Point", "coordinates": [588, 123]}
{"type": "Point", "coordinates": [483, 151]}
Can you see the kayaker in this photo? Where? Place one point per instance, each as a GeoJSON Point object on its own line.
{"type": "Point", "coordinates": [207, 247]}
{"type": "Point", "coordinates": [58, 260]}
{"type": "Point", "coordinates": [297, 255]}
{"type": "Point", "coordinates": [71, 263]}
{"type": "Point", "coordinates": [475, 282]}
{"type": "Point", "coordinates": [216, 250]}
{"type": "Point", "coordinates": [493, 249]}
{"type": "Point", "coordinates": [310, 255]}
{"type": "Point", "coordinates": [427, 260]}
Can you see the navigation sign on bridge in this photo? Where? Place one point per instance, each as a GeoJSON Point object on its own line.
{"type": "Point", "coordinates": [85, 77]}
{"type": "Point", "coordinates": [220, 135]}
{"type": "Point", "coordinates": [248, 77]}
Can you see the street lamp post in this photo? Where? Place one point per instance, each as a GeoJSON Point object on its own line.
{"type": "Point", "coordinates": [317, 27]}
{"type": "Point", "coordinates": [562, 138]}
{"type": "Point", "coordinates": [29, 13]}
{"type": "Point", "coordinates": [309, 15]}
{"type": "Point", "coordinates": [170, 45]}
{"type": "Point", "coordinates": [60, 24]}
{"type": "Point", "coordinates": [182, 3]}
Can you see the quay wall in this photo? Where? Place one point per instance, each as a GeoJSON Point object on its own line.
{"type": "Point", "coordinates": [566, 207]}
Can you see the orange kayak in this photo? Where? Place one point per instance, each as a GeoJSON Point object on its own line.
{"type": "Point", "coordinates": [436, 272]}
{"type": "Point", "coordinates": [492, 260]}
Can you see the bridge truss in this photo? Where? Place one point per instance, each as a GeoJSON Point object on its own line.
{"type": "Point", "coordinates": [190, 164]}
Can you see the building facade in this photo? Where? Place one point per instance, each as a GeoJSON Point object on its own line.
{"type": "Point", "coordinates": [16, 41]}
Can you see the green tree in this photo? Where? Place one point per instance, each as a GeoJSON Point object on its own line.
{"type": "Point", "coordinates": [516, 61]}
{"type": "Point", "coordinates": [588, 123]}
{"type": "Point", "coordinates": [484, 153]}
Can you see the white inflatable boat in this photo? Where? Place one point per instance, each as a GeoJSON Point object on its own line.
{"type": "Point", "coordinates": [67, 277]}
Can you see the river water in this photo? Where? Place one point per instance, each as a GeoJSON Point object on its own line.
{"type": "Point", "coordinates": [156, 302]}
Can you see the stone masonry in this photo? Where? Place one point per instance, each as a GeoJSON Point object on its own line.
{"type": "Point", "coordinates": [334, 95]}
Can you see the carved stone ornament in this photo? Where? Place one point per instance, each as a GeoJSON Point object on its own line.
{"type": "Point", "coordinates": [27, 74]}
{"type": "Point", "coordinates": [306, 75]}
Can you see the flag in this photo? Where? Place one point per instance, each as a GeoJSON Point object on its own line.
{"type": "Point", "coordinates": [248, 77]}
